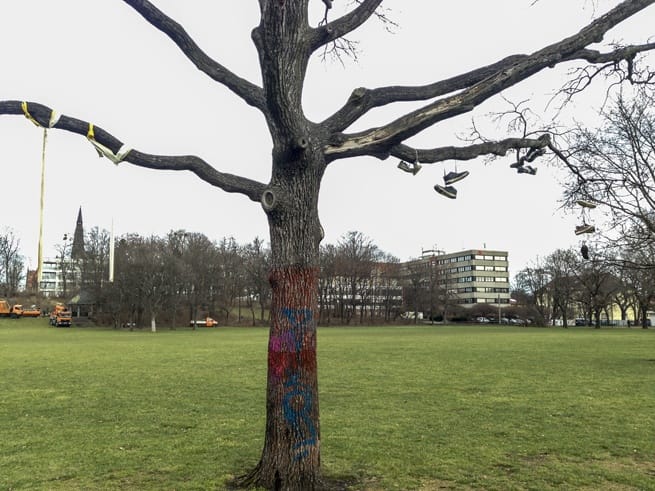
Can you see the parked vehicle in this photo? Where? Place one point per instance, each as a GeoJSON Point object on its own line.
{"type": "Point", "coordinates": [60, 316]}
{"type": "Point", "coordinates": [6, 310]}
{"type": "Point", "coordinates": [206, 322]}
{"type": "Point", "coordinates": [33, 311]}
{"type": "Point", "coordinates": [482, 320]}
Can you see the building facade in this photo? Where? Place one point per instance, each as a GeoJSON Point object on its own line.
{"type": "Point", "coordinates": [466, 277]}
{"type": "Point", "coordinates": [59, 278]}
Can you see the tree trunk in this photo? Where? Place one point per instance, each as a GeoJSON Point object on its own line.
{"type": "Point", "coordinates": [291, 455]}
{"type": "Point", "coordinates": [290, 459]}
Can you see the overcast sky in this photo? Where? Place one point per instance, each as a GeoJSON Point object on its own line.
{"type": "Point", "coordinates": [100, 61]}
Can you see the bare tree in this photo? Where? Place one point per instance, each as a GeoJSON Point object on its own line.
{"type": "Point", "coordinates": [563, 285]}
{"type": "Point", "coordinates": [95, 262]}
{"type": "Point", "coordinates": [357, 255]}
{"type": "Point", "coordinates": [256, 266]}
{"type": "Point", "coordinates": [596, 287]}
{"type": "Point", "coordinates": [67, 267]}
{"type": "Point", "coordinates": [534, 282]}
{"type": "Point", "coordinates": [641, 280]}
{"type": "Point", "coordinates": [614, 166]}
{"type": "Point", "coordinates": [302, 151]}
{"type": "Point", "coordinates": [11, 262]}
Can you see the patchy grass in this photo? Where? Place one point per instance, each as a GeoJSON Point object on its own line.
{"type": "Point", "coordinates": [402, 408]}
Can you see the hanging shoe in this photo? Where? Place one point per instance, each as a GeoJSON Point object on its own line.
{"type": "Point", "coordinates": [584, 250]}
{"type": "Point", "coordinates": [516, 164]}
{"type": "Point", "coordinates": [533, 153]}
{"type": "Point", "coordinates": [447, 191]}
{"type": "Point", "coordinates": [412, 168]}
{"type": "Point", "coordinates": [586, 204]}
{"type": "Point", "coordinates": [404, 166]}
{"type": "Point", "coordinates": [526, 169]}
{"type": "Point", "coordinates": [453, 177]}
{"type": "Point", "coordinates": [584, 229]}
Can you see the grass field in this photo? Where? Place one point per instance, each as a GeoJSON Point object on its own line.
{"type": "Point", "coordinates": [401, 408]}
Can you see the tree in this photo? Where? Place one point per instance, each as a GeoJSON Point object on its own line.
{"type": "Point", "coordinates": [641, 280]}
{"type": "Point", "coordinates": [534, 281]}
{"type": "Point", "coordinates": [256, 266]}
{"type": "Point", "coordinates": [11, 262]}
{"type": "Point", "coordinates": [302, 151]}
{"type": "Point", "coordinates": [614, 166]}
{"type": "Point", "coordinates": [596, 288]}
{"type": "Point", "coordinates": [561, 265]}
{"type": "Point", "coordinates": [357, 255]}
{"type": "Point", "coordinates": [95, 262]}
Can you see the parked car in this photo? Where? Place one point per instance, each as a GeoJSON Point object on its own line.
{"type": "Point", "coordinates": [482, 320]}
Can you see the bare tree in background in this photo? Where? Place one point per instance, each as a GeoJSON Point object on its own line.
{"type": "Point", "coordinates": [11, 262]}
{"type": "Point", "coordinates": [303, 150]}
{"type": "Point", "coordinates": [613, 166]}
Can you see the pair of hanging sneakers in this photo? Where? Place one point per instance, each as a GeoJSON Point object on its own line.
{"type": "Point", "coordinates": [585, 228]}
{"type": "Point", "coordinates": [449, 179]}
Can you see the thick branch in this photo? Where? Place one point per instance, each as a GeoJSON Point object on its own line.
{"type": "Point", "coordinates": [379, 140]}
{"type": "Point", "coordinates": [363, 100]}
{"type": "Point", "coordinates": [249, 92]}
{"type": "Point", "coordinates": [228, 182]}
{"type": "Point", "coordinates": [469, 152]}
{"type": "Point", "coordinates": [342, 26]}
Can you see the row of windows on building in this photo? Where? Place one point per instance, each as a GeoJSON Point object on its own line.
{"type": "Point", "coordinates": [470, 257]}
{"type": "Point", "coordinates": [478, 289]}
{"type": "Point", "coordinates": [473, 267]}
{"type": "Point", "coordinates": [483, 279]}
{"type": "Point", "coordinates": [483, 300]}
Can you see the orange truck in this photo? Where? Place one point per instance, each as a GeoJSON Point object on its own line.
{"type": "Point", "coordinates": [206, 322]}
{"type": "Point", "coordinates": [6, 310]}
{"type": "Point", "coordinates": [33, 311]}
{"type": "Point", "coordinates": [60, 316]}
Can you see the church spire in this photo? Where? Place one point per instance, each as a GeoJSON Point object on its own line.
{"type": "Point", "coordinates": [77, 251]}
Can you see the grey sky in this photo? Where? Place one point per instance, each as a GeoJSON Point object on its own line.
{"type": "Point", "coordinates": [100, 61]}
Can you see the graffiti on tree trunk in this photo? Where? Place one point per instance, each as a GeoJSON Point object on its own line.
{"type": "Point", "coordinates": [291, 353]}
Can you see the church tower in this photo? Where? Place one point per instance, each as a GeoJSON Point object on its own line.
{"type": "Point", "coordinates": [77, 251]}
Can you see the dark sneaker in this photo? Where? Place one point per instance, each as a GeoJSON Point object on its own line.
{"type": "Point", "coordinates": [404, 166]}
{"type": "Point", "coordinates": [527, 169]}
{"type": "Point", "coordinates": [447, 191]}
{"type": "Point", "coordinates": [584, 250]}
{"type": "Point", "coordinates": [586, 204]}
{"type": "Point", "coordinates": [584, 229]}
{"type": "Point", "coordinates": [411, 168]}
{"type": "Point", "coordinates": [516, 164]}
{"type": "Point", "coordinates": [453, 177]}
{"type": "Point", "coordinates": [533, 153]}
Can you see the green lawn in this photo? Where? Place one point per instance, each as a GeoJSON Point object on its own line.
{"type": "Point", "coordinates": [402, 408]}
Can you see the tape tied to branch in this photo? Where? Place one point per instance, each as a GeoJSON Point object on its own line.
{"type": "Point", "coordinates": [104, 151]}
{"type": "Point", "coordinates": [54, 117]}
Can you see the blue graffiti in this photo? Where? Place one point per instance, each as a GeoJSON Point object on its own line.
{"type": "Point", "coordinates": [296, 413]}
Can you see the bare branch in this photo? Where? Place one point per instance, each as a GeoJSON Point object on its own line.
{"type": "Point", "coordinates": [363, 100]}
{"type": "Point", "coordinates": [499, 148]}
{"type": "Point", "coordinates": [249, 92]}
{"type": "Point", "coordinates": [619, 63]}
{"type": "Point", "coordinates": [44, 116]}
{"type": "Point", "coordinates": [340, 27]}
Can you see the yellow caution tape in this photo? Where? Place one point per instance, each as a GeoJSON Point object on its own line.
{"type": "Point", "coordinates": [27, 114]}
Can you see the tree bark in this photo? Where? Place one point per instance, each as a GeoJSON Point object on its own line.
{"type": "Point", "coordinates": [291, 455]}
